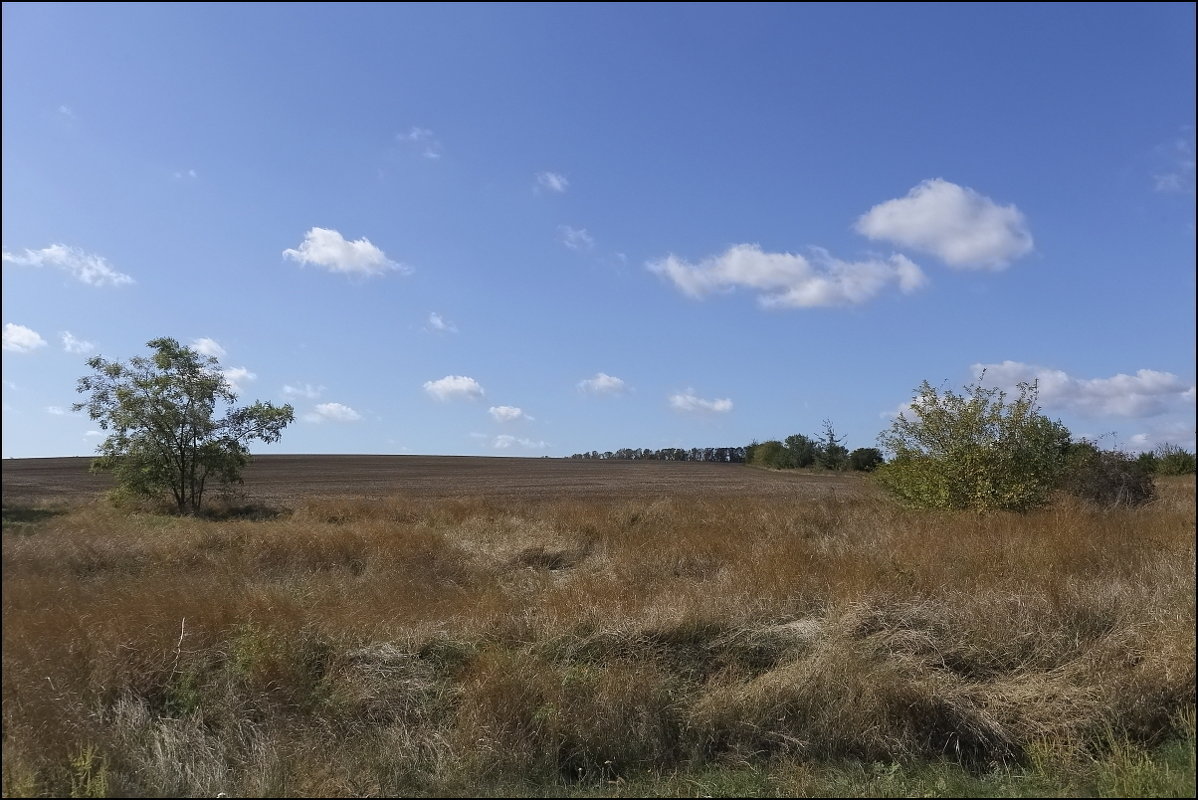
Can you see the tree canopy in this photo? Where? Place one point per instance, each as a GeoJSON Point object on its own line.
{"type": "Point", "coordinates": [165, 433]}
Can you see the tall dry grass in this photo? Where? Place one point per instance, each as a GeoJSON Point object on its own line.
{"type": "Point", "coordinates": [403, 646]}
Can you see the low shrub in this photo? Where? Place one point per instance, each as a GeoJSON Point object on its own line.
{"type": "Point", "coordinates": [1107, 478]}
{"type": "Point", "coordinates": [1174, 460]}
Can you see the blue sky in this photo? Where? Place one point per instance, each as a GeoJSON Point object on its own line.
{"type": "Point", "coordinates": [537, 230]}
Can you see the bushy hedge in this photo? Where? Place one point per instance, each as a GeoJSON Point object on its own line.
{"type": "Point", "coordinates": [975, 450]}
{"type": "Point", "coordinates": [866, 459]}
{"type": "Point", "coordinates": [1107, 478]}
{"type": "Point", "coordinates": [1169, 459]}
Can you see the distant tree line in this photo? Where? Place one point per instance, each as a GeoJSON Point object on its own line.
{"type": "Point", "coordinates": [725, 455]}
{"type": "Point", "coordinates": [826, 451]}
{"type": "Point", "coordinates": [798, 451]}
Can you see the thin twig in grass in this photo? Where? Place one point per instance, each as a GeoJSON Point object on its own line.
{"type": "Point", "coordinates": [179, 646]}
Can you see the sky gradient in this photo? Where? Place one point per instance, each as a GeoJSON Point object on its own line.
{"type": "Point", "coordinates": [540, 230]}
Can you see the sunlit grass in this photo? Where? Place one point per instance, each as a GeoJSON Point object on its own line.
{"type": "Point", "coordinates": [680, 647]}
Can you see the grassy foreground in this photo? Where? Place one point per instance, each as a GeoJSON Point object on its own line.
{"type": "Point", "coordinates": [718, 646]}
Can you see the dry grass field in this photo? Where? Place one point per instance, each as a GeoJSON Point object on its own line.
{"type": "Point", "coordinates": [377, 626]}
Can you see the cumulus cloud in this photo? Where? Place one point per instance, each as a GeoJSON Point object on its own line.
{"type": "Point", "coordinates": [181, 174]}
{"type": "Point", "coordinates": [602, 383]}
{"type": "Point", "coordinates": [423, 140]}
{"type": "Point", "coordinates": [1148, 393]}
{"type": "Point", "coordinates": [208, 347]}
{"type": "Point", "coordinates": [956, 224]}
{"type": "Point", "coordinates": [71, 344]}
{"type": "Point", "coordinates": [19, 339]}
{"type": "Point", "coordinates": [332, 412]}
{"type": "Point", "coordinates": [790, 280]}
{"type": "Point", "coordinates": [505, 441]}
{"type": "Point", "coordinates": [575, 238]}
{"type": "Point", "coordinates": [238, 377]}
{"type": "Point", "coordinates": [688, 402]}
{"type": "Point", "coordinates": [552, 181]}
{"type": "Point", "coordinates": [304, 390]}
{"type": "Point", "coordinates": [57, 411]}
{"type": "Point", "coordinates": [1179, 434]}
{"type": "Point", "coordinates": [88, 268]}
{"type": "Point", "coordinates": [329, 250]}
{"type": "Point", "coordinates": [454, 386]}
{"type": "Point", "coordinates": [507, 413]}
{"type": "Point", "coordinates": [439, 324]}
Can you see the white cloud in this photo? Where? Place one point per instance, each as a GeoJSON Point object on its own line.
{"type": "Point", "coordinates": [181, 174]}
{"type": "Point", "coordinates": [903, 408]}
{"type": "Point", "coordinates": [1179, 175]}
{"type": "Point", "coordinates": [575, 238]}
{"type": "Point", "coordinates": [208, 347]}
{"type": "Point", "coordinates": [439, 324]}
{"type": "Point", "coordinates": [1180, 434]}
{"type": "Point", "coordinates": [19, 339]}
{"type": "Point", "coordinates": [789, 280]}
{"type": "Point", "coordinates": [305, 390]}
{"type": "Point", "coordinates": [93, 434]}
{"type": "Point", "coordinates": [552, 181]}
{"type": "Point", "coordinates": [507, 413]}
{"type": "Point", "coordinates": [86, 267]}
{"type": "Point", "coordinates": [954, 223]}
{"type": "Point", "coordinates": [688, 402]}
{"type": "Point", "coordinates": [328, 249]}
{"type": "Point", "coordinates": [74, 345]}
{"type": "Point", "coordinates": [57, 411]}
{"type": "Point", "coordinates": [452, 386]}
{"type": "Point", "coordinates": [332, 412]}
{"type": "Point", "coordinates": [238, 376]}
{"type": "Point", "coordinates": [1148, 393]}
{"type": "Point", "coordinates": [602, 383]}
{"type": "Point", "coordinates": [424, 140]}
{"type": "Point", "coordinates": [506, 441]}
{"type": "Point", "coordinates": [66, 111]}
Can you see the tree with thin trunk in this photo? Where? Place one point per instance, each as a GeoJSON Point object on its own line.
{"type": "Point", "coordinates": [165, 436]}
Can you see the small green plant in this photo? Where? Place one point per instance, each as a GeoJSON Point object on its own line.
{"type": "Point", "coordinates": [89, 774]}
{"type": "Point", "coordinates": [976, 450]}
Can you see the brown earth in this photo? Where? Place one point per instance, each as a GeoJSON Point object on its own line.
{"type": "Point", "coordinates": [287, 478]}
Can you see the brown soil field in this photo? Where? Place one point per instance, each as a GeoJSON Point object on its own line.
{"type": "Point", "coordinates": [285, 479]}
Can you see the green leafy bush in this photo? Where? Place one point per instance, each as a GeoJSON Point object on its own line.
{"type": "Point", "coordinates": [865, 459]}
{"type": "Point", "coordinates": [770, 454]}
{"type": "Point", "coordinates": [1174, 460]}
{"type": "Point", "coordinates": [975, 450]}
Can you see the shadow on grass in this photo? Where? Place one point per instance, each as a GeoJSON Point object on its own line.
{"type": "Point", "coordinates": [20, 517]}
{"type": "Point", "coordinates": [253, 512]}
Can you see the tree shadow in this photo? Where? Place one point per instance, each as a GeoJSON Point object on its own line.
{"type": "Point", "coordinates": [24, 516]}
{"type": "Point", "coordinates": [250, 511]}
